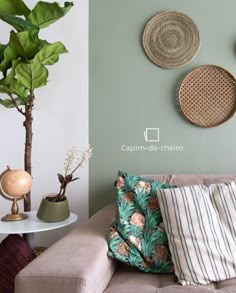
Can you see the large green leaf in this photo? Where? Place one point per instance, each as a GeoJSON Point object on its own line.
{"type": "Point", "coordinates": [49, 54]}
{"type": "Point", "coordinates": [24, 43]}
{"type": "Point", "coordinates": [44, 13]}
{"type": "Point", "coordinates": [22, 101]}
{"type": "Point", "coordinates": [6, 103]}
{"type": "Point", "coordinates": [18, 89]}
{"type": "Point", "coordinates": [2, 48]}
{"type": "Point", "coordinates": [9, 56]}
{"type": "Point", "coordinates": [4, 89]}
{"type": "Point", "coordinates": [32, 75]}
{"type": "Point", "coordinates": [14, 7]}
{"type": "Point", "coordinates": [18, 23]}
{"type": "Point", "coordinates": [10, 74]}
{"type": "Point", "coordinates": [9, 104]}
{"type": "Point", "coordinates": [11, 85]}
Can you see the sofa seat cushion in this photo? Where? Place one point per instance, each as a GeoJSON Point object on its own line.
{"type": "Point", "coordinates": [227, 284]}
{"type": "Point", "coordinates": [128, 279]}
{"type": "Point", "coordinates": [131, 280]}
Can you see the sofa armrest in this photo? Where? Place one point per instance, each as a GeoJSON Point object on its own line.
{"type": "Point", "coordinates": [77, 263]}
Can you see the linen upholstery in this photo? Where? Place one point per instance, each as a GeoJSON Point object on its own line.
{"type": "Point", "coordinates": [132, 280]}
{"type": "Point", "coordinates": [76, 263]}
{"type": "Point", "coordinates": [200, 222]}
{"type": "Point", "coordinates": [118, 279]}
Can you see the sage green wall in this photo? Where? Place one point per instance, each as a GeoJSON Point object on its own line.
{"type": "Point", "coordinates": [128, 93]}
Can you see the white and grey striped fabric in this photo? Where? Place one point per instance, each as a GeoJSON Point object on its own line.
{"type": "Point", "coordinates": [200, 223]}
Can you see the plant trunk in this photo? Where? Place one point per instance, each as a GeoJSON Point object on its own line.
{"type": "Point", "coordinates": [28, 146]}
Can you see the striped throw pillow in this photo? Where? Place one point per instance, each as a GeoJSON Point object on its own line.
{"type": "Point", "coordinates": [200, 222]}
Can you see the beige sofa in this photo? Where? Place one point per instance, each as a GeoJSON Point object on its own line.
{"type": "Point", "coordinates": [78, 263]}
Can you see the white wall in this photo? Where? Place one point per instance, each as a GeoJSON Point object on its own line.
{"type": "Point", "coordinates": [60, 119]}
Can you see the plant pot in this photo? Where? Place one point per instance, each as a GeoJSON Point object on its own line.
{"type": "Point", "coordinates": [50, 211]}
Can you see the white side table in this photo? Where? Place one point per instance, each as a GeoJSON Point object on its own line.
{"type": "Point", "coordinates": [32, 225]}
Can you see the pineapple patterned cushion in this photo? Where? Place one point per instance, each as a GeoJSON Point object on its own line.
{"type": "Point", "coordinates": [137, 236]}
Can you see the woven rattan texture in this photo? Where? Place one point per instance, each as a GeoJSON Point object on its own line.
{"type": "Point", "coordinates": [207, 96]}
{"type": "Point", "coordinates": [171, 39]}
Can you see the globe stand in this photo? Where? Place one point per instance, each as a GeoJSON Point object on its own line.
{"type": "Point", "coordinates": [21, 186]}
{"type": "Point", "coordinates": [15, 215]}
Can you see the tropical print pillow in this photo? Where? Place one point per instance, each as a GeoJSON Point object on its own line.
{"type": "Point", "coordinates": [137, 236]}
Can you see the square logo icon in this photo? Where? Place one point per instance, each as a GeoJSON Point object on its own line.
{"type": "Point", "coordinates": [152, 135]}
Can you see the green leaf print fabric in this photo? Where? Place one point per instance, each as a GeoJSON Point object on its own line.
{"type": "Point", "coordinates": [137, 236]}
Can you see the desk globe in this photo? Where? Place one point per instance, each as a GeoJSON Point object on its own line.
{"type": "Point", "coordinates": [14, 185]}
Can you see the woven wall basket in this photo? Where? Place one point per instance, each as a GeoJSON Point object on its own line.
{"type": "Point", "coordinates": [207, 96]}
{"type": "Point", "coordinates": [171, 39]}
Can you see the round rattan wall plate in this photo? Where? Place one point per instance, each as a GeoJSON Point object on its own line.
{"type": "Point", "coordinates": [171, 39]}
{"type": "Point", "coordinates": [207, 96]}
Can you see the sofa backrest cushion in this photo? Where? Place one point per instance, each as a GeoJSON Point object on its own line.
{"type": "Point", "coordinates": [192, 179]}
{"type": "Point", "coordinates": [200, 222]}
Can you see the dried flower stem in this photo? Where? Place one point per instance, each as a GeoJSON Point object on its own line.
{"type": "Point", "coordinates": [68, 177]}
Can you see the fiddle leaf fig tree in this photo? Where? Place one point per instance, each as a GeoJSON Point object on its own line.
{"type": "Point", "coordinates": [24, 60]}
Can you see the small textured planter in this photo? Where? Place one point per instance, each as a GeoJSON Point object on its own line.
{"type": "Point", "coordinates": [50, 211]}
